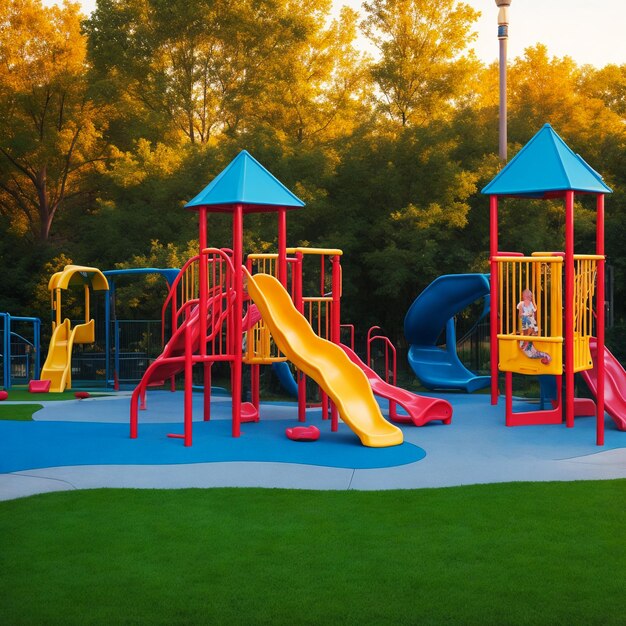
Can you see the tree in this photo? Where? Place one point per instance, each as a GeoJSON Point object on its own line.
{"type": "Point", "coordinates": [554, 90]}
{"type": "Point", "coordinates": [317, 95]}
{"type": "Point", "coordinates": [204, 68]}
{"type": "Point", "coordinates": [422, 69]}
{"type": "Point", "coordinates": [398, 203]}
{"type": "Point", "coordinates": [50, 129]}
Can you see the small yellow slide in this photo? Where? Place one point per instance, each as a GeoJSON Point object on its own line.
{"type": "Point", "coordinates": [57, 367]}
{"type": "Point", "coordinates": [324, 362]}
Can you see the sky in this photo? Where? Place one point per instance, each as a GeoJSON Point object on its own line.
{"type": "Point", "coordinates": [576, 28]}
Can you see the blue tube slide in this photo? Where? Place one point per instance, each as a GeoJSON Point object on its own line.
{"type": "Point", "coordinates": [284, 375]}
{"type": "Point", "coordinates": [432, 311]}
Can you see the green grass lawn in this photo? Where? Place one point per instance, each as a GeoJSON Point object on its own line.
{"type": "Point", "coordinates": [522, 553]}
{"type": "Point", "coordinates": [19, 412]}
{"type": "Point", "coordinates": [23, 395]}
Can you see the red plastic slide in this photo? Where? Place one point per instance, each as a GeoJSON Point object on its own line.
{"type": "Point", "coordinates": [614, 384]}
{"type": "Point", "coordinates": [420, 409]}
{"type": "Point", "coordinates": [162, 368]}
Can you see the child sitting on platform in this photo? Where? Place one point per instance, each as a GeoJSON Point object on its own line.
{"type": "Point", "coordinates": [527, 309]}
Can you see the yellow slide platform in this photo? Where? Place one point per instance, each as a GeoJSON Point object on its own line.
{"type": "Point", "coordinates": [324, 362]}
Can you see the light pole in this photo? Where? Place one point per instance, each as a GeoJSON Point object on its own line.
{"type": "Point", "coordinates": [503, 36]}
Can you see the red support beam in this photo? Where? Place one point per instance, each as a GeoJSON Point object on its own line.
{"type": "Point", "coordinates": [188, 414]}
{"type": "Point", "coordinates": [335, 331]}
{"type": "Point", "coordinates": [207, 390]}
{"type": "Point", "coordinates": [282, 246]}
{"type": "Point", "coordinates": [493, 312]}
{"type": "Point", "coordinates": [600, 297]}
{"type": "Point", "coordinates": [569, 309]}
{"type": "Point", "coordinates": [237, 317]}
{"type": "Point", "coordinates": [202, 279]}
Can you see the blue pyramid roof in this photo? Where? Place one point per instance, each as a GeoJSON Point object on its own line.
{"type": "Point", "coordinates": [245, 181]}
{"type": "Point", "coordinates": [546, 167]}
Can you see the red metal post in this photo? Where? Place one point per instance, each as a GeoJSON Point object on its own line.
{"type": "Point", "coordinates": [493, 312]}
{"type": "Point", "coordinates": [134, 417]}
{"type": "Point", "coordinates": [569, 309]}
{"type": "Point", "coordinates": [282, 246]}
{"type": "Point", "coordinates": [188, 414]}
{"type": "Point", "coordinates": [301, 396]}
{"type": "Point", "coordinates": [207, 390]}
{"type": "Point", "coordinates": [237, 316]}
{"type": "Point", "coordinates": [255, 383]}
{"type": "Point", "coordinates": [336, 287]}
{"type": "Point", "coordinates": [173, 323]}
{"type": "Point", "coordinates": [335, 330]}
{"type": "Point", "coordinates": [368, 349]}
{"type": "Point", "coordinates": [299, 304]}
{"type": "Point", "coordinates": [508, 392]}
{"type": "Point", "coordinates": [324, 399]}
{"type": "Point", "coordinates": [202, 278]}
{"type": "Point", "coordinates": [600, 297]}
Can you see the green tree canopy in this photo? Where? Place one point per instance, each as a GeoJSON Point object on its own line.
{"type": "Point", "coordinates": [50, 129]}
{"type": "Point", "coordinates": [424, 65]}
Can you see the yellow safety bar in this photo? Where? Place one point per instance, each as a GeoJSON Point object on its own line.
{"type": "Point", "coordinates": [260, 348]}
{"type": "Point", "coordinates": [317, 251]}
{"type": "Point", "coordinates": [543, 276]}
{"type": "Point", "coordinates": [585, 274]}
{"type": "Point", "coordinates": [542, 273]}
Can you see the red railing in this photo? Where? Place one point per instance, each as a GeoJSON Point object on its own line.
{"type": "Point", "coordinates": [389, 349]}
{"type": "Point", "coordinates": [220, 271]}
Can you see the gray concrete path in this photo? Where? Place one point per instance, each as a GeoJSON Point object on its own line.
{"type": "Point", "coordinates": [475, 448]}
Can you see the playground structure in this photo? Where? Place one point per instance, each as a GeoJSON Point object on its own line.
{"type": "Point", "coordinates": [208, 322]}
{"type": "Point", "coordinates": [568, 287]}
{"type": "Point", "coordinates": [212, 318]}
{"type": "Point", "coordinates": [57, 367]}
{"type": "Point", "coordinates": [568, 290]}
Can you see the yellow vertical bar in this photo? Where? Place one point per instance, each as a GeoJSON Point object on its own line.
{"type": "Point", "coordinates": [512, 292]}
{"type": "Point", "coordinates": [86, 304]}
{"type": "Point", "coordinates": [540, 269]}
{"type": "Point", "coordinates": [500, 287]}
{"type": "Point", "coordinates": [319, 318]}
{"type": "Point", "coordinates": [540, 287]}
{"type": "Point", "coordinates": [502, 296]}
{"type": "Point", "coordinates": [545, 268]}
{"type": "Point", "coordinates": [558, 304]}
{"type": "Point", "coordinates": [327, 315]}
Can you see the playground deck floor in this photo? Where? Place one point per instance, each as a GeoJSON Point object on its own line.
{"type": "Point", "coordinates": [85, 444]}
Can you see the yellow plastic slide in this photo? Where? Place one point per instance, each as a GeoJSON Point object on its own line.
{"type": "Point", "coordinates": [324, 362]}
{"type": "Point", "coordinates": [57, 368]}
{"type": "Point", "coordinates": [58, 365]}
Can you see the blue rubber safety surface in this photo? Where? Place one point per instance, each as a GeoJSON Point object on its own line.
{"type": "Point", "coordinates": [31, 445]}
{"type": "Point", "coordinates": [476, 447]}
